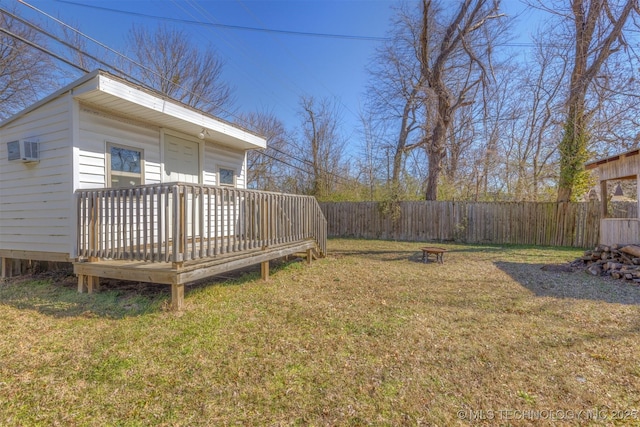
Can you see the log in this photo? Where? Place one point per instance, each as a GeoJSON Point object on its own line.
{"type": "Point", "coordinates": [614, 265]}
{"type": "Point", "coordinates": [595, 269]}
{"type": "Point", "coordinates": [620, 261]}
{"type": "Point", "coordinates": [626, 259]}
{"type": "Point", "coordinates": [632, 250]}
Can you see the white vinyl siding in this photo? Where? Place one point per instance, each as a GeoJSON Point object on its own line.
{"type": "Point", "coordinates": [217, 157]}
{"type": "Point", "coordinates": [37, 203]}
{"type": "Point", "coordinates": [35, 197]}
{"type": "Point", "coordinates": [97, 130]}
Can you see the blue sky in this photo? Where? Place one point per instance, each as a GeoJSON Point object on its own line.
{"type": "Point", "coordinates": [269, 71]}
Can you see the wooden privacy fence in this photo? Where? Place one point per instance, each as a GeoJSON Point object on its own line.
{"type": "Point", "coordinates": [180, 222]}
{"type": "Point", "coordinates": [526, 223]}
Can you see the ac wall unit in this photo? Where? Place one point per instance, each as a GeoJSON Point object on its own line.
{"type": "Point", "coordinates": [23, 150]}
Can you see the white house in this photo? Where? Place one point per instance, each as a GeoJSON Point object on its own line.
{"type": "Point", "coordinates": [130, 184]}
{"type": "Point", "coordinates": [102, 131]}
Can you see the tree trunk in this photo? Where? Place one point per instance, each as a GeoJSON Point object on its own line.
{"type": "Point", "coordinates": [587, 14]}
{"type": "Point", "coordinates": [573, 152]}
{"type": "Point", "coordinates": [435, 169]}
{"type": "Point", "coordinates": [436, 153]}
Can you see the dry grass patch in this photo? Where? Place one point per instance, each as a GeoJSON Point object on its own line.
{"type": "Point", "coordinates": [367, 336]}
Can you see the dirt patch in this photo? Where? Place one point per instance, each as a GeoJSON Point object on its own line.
{"type": "Point", "coordinates": [558, 268]}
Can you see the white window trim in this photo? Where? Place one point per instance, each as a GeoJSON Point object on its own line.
{"type": "Point", "coordinates": [235, 177]}
{"type": "Point", "coordinates": [110, 173]}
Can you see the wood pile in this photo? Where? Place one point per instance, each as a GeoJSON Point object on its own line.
{"type": "Point", "coordinates": [619, 261]}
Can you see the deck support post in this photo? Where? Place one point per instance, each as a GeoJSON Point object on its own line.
{"type": "Point", "coordinates": [93, 284]}
{"type": "Point", "coordinates": [309, 256]}
{"type": "Point", "coordinates": [7, 267]}
{"type": "Point", "coordinates": [264, 270]}
{"type": "Point", "coordinates": [88, 284]}
{"type": "Point", "coordinates": [10, 267]}
{"type": "Point", "coordinates": [82, 283]}
{"type": "Point", "coordinates": [177, 296]}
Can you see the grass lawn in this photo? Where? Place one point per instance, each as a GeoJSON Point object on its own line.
{"type": "Point", "coordinates": [367, 336]}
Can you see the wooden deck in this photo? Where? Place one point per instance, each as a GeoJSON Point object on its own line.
{"type": "Point", "coordinates": [179, 233]}
{"type": "Point", "coordinates": [179, 275]}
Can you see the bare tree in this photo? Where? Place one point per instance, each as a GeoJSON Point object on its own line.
{"type": "Point", "coordinates": [25, 72]}
{"type": "Point", "coordinates": [615, 120]}
{"type": "Point", "coordinates": [371, 161]}
{"type": "Point", "coordinates": [395, 92]}
{"type": "Point", "coordinates": [266, 170]}
{"type": "Point", "coordinates": [178, 69]}
{"type": "Point", "coordinates": [598, 33]}
{"type": "Point", "coordinates": [320, 148]}
{"type": "Point", "coordinates": [455, 61]}
{"type": "Point", "coordinates": [537, 93]}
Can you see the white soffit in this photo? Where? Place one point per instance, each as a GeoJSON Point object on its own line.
{"type": "Point", "coordinates": [120, 97]}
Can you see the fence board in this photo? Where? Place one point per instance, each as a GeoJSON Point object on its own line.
{"type": "Point", "coordinates": [544, 224]}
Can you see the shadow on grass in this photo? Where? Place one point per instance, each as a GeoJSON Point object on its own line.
{"type": "Point", "coordinates": [56, 294]}
{"type": "Point", "coordinates": [413, 255]}
{"type": "Point", "coordinates": [576, 284]}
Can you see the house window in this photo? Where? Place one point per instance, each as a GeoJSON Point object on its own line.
{"type": "Point", "coordinates": [227, 177]}
{"type": "Point", "coordinates": [126, 166]}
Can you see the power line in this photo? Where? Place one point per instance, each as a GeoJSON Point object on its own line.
{"type": "Point", "coordinates": [307, 162]}
{"type": "Point", "coordinates": [82, 34]}
{"type": "Point", "coordinates": [343, 179]}
{"type": "Point", "coordinates": [232, 27]}
{"type": "Point", "coordinates": [280, 160]}
{"type": "Point", "coordinates": [42, 49]}
{"type": "Point", "coordinates": [59, 40]}
{"type": "Point", "coordinates": [304, 65]}
{"type": "Point", "coordinates": [239, 48]}
{"type": "Point", "coordinates": [124, 57]}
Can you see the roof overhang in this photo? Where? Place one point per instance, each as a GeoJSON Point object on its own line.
{"type": "Point", "coordinates": [594, 164]}
{"type": "Point", "coordinates": [112, 94]}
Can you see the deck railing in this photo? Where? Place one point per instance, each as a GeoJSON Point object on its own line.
{"type": "Point", "coordinates": [179, 222]}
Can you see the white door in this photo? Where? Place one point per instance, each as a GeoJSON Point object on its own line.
{"type": "Point", "coordinates": [181, 160]}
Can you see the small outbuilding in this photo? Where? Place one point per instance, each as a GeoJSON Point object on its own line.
{"type": "Point", "coordinates": [620, 167]}
{"type": "Point", "coordinates": [127, 183]}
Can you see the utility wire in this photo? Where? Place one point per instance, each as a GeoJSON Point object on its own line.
{"type": "Point", "coordinates": [249, 53]}
{"type": "Point", "coordinates": [302, 64]}
{"type": "Point", "coordinates": [59, 40]}
{"type": "Point", "coordinates": [124, 57]}
{"type": "Point", "coordinates": [306, 162]}
{"type": "Point", "coordinates": [343, 179]}
{"type": "Point", "coordinates": [46, 51]}
{"type": "Point", "coordinates": [281, 161]}
{"type": "Point", "coordinates": [42, 49]}
{"type": "Point", "coordinates": [231, 27]}
{"type": "Point", "coordinates": [83, 34]}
